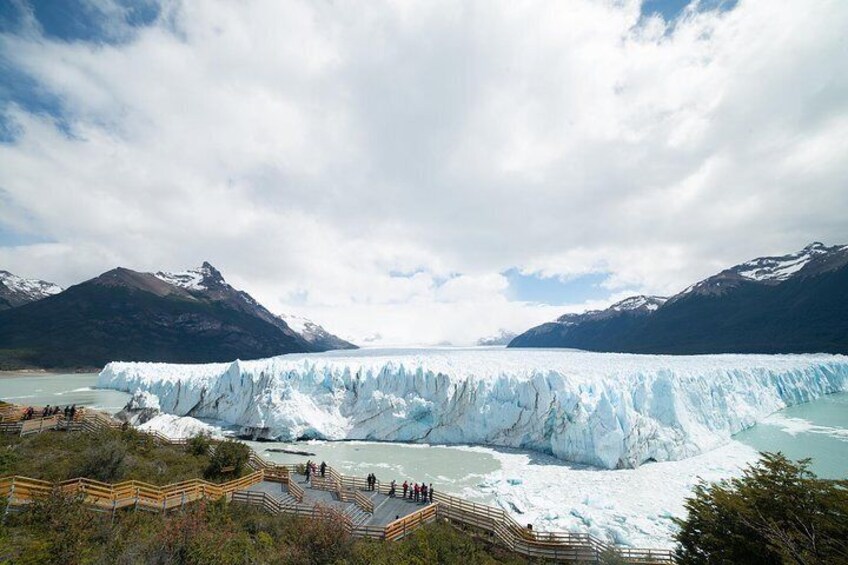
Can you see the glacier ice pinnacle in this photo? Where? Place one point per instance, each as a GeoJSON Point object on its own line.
{"type": "Point", "coordinates": [607, 410]}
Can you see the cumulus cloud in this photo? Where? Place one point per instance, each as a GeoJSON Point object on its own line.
{"type": "Point", "coordinates": [378, 166]}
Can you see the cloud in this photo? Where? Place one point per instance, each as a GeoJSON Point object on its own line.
{"type": "Point", "coordinates": [314, 150]}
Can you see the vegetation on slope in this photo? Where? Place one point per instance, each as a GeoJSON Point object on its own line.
{"type": "Point", "coordinates": [777, 512]}
{"type": "Point", "coordinates": [117, 455]}
{"type": "Point", "coordinates": [60, 529]}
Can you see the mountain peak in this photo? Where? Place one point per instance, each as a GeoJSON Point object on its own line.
{"type": "Point", "coordinates": [204, 277]}
{"type": "Point", "coordinates": [814, 246]}
{"type": "Point", "coordinates": [16, 291]}
{"type": "Point", "coordinates": [644, 301]}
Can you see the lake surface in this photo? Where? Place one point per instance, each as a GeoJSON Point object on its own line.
{"type": "Point", "coordinates": [624, 506]}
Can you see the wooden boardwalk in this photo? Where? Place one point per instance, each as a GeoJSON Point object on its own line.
{"type": "Point", "coordinates": [280, 489]}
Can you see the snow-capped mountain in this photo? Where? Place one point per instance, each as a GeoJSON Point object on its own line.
{"type": "Point", "coordinates": [208, 280]}
{"type": "Point", "coordinates": [191, 316]}
{"type": "Point", "coordinates": [503, 337]}
{"type": "Point", "coordinates": [315, 334]}
{"type": "Point", "coordinates": [791, 303]}
{"type": "Point", "coordinates": [17, 291]}
{"type": "Point", "coordinates": [193, 279]}
{"type": "Point", "coordinates": [635, 305]}
{"type": "Point", "coordinates": [814, 258]}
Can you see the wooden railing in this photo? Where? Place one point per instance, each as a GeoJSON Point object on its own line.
{"type": "Point", "coordinates": [500, 525]}
{"type": "Point", "coordinates": [21, 491]}
{"type": "Point", "coordinates": [296, 490]}
{"type": "Point", "coordinates": [402, 526]}
{"type": "Point", "coordinates": [363, 501]}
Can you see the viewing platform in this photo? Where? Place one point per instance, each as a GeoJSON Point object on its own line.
{"type": "Point", "coordinates": [283, 489]}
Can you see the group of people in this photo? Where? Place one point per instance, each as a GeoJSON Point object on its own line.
{"type": "Point", "coordinates": [312, 469]}
{"type": "Point", "coordinates": [47, 411]}
{"type": "Point", "coordinates": [372, 481]}
{"type": "Point", "coordinates": [415, 492]}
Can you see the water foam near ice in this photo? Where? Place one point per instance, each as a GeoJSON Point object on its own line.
{"type": "Point", "coordinates": [607, 410]}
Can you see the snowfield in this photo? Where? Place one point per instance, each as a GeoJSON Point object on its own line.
{"type": "Point", "coordinates": [607, 410]}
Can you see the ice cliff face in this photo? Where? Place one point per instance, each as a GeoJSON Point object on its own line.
{"type": "Point", "coordinates": [608, 410]}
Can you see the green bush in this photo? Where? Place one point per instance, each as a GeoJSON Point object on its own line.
{"type": "Point", "coordinates": [228, 460]}
{"type": "Point", "coordinates": [103, 462]}
{"type": "Point", "coordinates": [199, 445]}
{"type": "Point", "coordinates": [777, 512]}
{"type": "Point", "coordinates": [57, 456]}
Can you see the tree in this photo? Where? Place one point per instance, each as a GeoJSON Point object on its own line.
{"type": "Point", "coordinates": [199, 444]}
{"type": "Point", "coordinates": [776, 512]}
{"type": "Point", "coordinates": [228, 460]}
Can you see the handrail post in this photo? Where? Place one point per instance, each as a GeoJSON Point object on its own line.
{"type": "Point", "coordinates": [9, 500]}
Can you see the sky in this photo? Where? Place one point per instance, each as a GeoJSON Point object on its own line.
{"type": "Point", "coordinates": [421, 172]}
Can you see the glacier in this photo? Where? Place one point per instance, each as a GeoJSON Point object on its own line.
{"type": "Point", "coordinates": [607, 410]}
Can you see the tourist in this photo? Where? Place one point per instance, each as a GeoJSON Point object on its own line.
{"type": "Point", "coordinates": [323, 468]}
{"type": "Point", "coordinates": [67, 411]}
{"type": "Point", "coordinates": [46, 411]}
{"type": "Point", "coordinates": [73, 411]}
{"type": "Point", "coordinates": [430, 490]}
{"type": "Point", "coordinates": [405, 488]}
{"type": "Point", "coordinates": [423, 493]}
{"type": "Point", "coordinates": [308, 469]}
{"type": "Point", "coordinates": [417, 491]}
{"type": "Point", "coordinates": [411, 490]}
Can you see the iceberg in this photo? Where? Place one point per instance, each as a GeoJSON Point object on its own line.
{"type": "Point", "coordinates": [607, 410]}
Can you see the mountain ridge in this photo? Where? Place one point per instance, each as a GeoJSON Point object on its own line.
{"type": "Point", "coordinates": [126, 314]}
{"type": "Point", "coordinates": [16, 291]}
{"type": "Point", "coordinates": [794, 303]}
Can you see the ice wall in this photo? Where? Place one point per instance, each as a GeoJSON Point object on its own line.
{"type": "Point", "coordinates": [608, 410]}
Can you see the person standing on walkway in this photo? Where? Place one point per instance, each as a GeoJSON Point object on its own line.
{"type": "Point", "coordinates": [430, 491]}
{"type": "Point", "coordinates": [405, 488]}
{"type": "Point", "coordinates": [423, 493]}
{"type": "Point", "coordinates": [308, 469]}
{"type": "Point", "coordinates": [323, 468]}
{"type": "Point", "coordinates": [392, 489]}
{"type": "Point", "coordinates": [417, 492]}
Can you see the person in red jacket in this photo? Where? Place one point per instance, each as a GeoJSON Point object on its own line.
{"type": "Point", "coordinates": [405, 488]}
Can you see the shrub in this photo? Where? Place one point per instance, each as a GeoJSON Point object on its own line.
{"type": "Point", "coordinates": [228, 460]}
{"type": "Point", "coordinates": [777, 512]}
{"type": "Point", "coordinates": [199, 445]}
{"type": "Point", "coordinates": [63, 528]}
{"type": "Point", "coordinates": [103, 462]}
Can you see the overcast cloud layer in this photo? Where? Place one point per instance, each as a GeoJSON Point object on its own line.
{"type": "Point", "coordinates": [378, 166]}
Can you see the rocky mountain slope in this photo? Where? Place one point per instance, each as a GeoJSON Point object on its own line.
{"type": "Point", "coordinates": [190, 317]}
{"type": "Point", "coordinates": [16, 291]}
{"type": "Point", "coordinates": [315, 334]}
{"type": "Point", "coordinates": [794, 303]}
